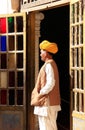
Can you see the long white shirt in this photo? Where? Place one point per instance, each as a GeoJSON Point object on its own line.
{"type": "Point", "coordinates": [50, 83]}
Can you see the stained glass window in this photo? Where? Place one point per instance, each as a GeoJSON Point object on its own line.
{"type": "Point", "coordinates": [12, 62]}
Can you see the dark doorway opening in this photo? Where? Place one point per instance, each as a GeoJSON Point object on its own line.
{"type": "Point", "coordinates": [55, 28]}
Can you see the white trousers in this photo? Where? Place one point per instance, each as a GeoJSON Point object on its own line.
{"type": "Point", "coordinates": [48, 122]}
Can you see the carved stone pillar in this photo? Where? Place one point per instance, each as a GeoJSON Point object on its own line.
{"type": "Point", "coordinates": [38, 18]}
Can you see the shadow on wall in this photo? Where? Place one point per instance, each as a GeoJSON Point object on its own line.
{"type": "Point", "coordinates": [15, 5]}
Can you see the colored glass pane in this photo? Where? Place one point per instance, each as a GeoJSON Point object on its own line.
{"type": "Point", "coordinates": [20, 97]}
{"type": "Point", "coordinates": [2, 25]}
{"type": "Point", "coordinates": [11, 43]}
{"type": "Point", "coordinates": [11, 97]}
{"type": "Point", "coordinates": [19, 42]}
{"type": "Point", "coordinates": [20, 79]}
{"type": "Point", "coordinates": [11, 62]}
{"type": "Point", "coordinates": [10, 20]}
{"type": "Point", "coordinates": [11, 79]}
{"type": "Point", "coordinates": [3, 61]}
{"type": "Point", "coordinates": [11, 24]}
{"type": "Point", "coordinates": [3, 76]}
{"type": "Point", "coordinates": [3, 43]}
{"type": "Point", "coordinates": [19, 60]}
{"type": "Point", "coordinates": [3, 97]}
{"type": "Point", "coordinates": [19, 22]}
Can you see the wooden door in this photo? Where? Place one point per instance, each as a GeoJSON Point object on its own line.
{"type": "Point", "coordinates": [13, 71]}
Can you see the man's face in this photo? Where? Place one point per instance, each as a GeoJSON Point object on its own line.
{"type": "Point", "coordinates": [43, 55]}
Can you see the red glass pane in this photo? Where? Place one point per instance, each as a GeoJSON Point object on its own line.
{"type": "Point", "coordinates": [2, 25]}
{"type": "Point", "coordinates": [3, 97]}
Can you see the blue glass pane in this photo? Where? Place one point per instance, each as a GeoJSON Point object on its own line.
{"type": "Point", "coordinates": [3, 43]}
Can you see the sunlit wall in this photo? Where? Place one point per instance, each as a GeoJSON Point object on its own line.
{"type": "Point", "coordinates": [5, 7]}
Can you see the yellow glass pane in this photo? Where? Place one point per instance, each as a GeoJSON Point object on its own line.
{"type": "Point", "coordinates": [3, 79]}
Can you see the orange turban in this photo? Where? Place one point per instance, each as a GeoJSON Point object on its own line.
{"type": "Point", "coordinates": [49, 46]}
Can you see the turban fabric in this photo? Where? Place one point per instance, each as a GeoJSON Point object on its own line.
{"type": "Point", "coordinates": [49, 46]}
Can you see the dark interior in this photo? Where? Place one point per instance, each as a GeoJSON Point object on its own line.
{"type": "Point", "coordinates": [55, 28]}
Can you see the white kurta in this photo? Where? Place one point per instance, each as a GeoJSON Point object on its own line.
{"type": "Point", "coordinates": [44, 112]}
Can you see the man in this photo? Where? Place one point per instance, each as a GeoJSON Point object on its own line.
{"type": "Point", "coordinates": [46, 95]}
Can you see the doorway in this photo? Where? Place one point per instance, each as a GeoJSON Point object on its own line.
{"type": "Point", "coordinates": [55, 28]}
